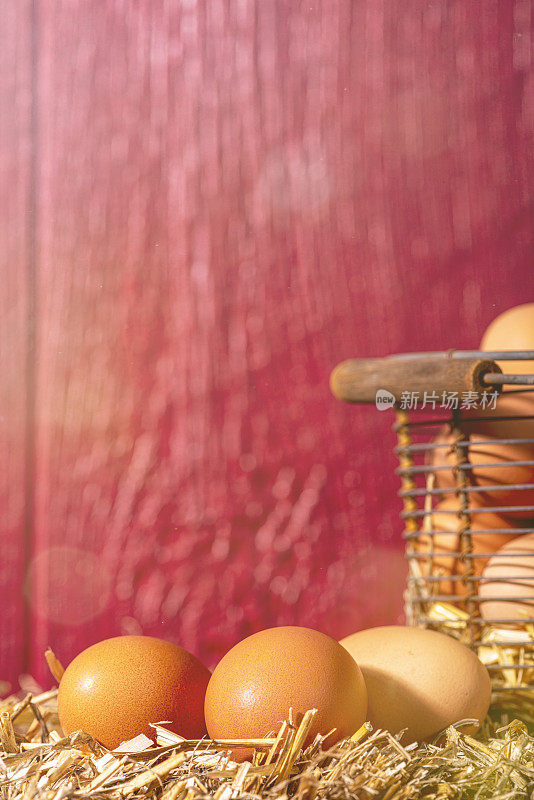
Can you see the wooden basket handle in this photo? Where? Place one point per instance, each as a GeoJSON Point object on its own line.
{"type": "Point", "coordinates": [358, 380]}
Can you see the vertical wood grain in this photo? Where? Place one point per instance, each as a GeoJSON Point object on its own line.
{"type": "Point", "coordinates": [15, 331]}
{"type": "Point", "coordinates": [233, 196]}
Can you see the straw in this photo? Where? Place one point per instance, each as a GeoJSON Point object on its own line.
{"type": "Point", "coordinates": [369, 765]}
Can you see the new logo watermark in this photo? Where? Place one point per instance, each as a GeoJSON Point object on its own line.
{"type": "Point", "coordinates": [384, 400]}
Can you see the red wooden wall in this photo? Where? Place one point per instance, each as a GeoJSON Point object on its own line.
{"type": "Point", "coordinates": [207, 204]}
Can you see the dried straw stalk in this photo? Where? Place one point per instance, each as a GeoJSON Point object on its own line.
{"type": "Point", "coordinates": [38, 763]}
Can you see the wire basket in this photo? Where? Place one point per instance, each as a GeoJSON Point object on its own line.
{"type": "Point", "coordinates": [465, 445]}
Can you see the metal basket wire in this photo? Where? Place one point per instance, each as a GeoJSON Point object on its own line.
{"type": "Point", "coordinates": [505, 644]}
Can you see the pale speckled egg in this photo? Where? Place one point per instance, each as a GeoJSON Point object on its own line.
{"type": "Point", "coordinates": [419, 679]}
{"type": "Point", "coordinates": [507, 586]}
{"type": "Point", "coordinates": [115, 688]}
{"type": "Point", "coordinates": [488, 534]}
{"type": "Point", "coordinates": [261, 678]}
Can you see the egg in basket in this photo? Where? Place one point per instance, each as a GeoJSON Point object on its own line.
{"type": "Point", "coordinates": [465, 444]}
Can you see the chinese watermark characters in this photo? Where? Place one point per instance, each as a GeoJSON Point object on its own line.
{"type": "Point", "coordinates": [450, 401]}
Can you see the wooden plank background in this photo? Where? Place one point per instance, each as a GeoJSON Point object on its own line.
{"type": "Point", "coordinates": [229, 197]}
{"type": "Point", "coordinates": [16, 333]}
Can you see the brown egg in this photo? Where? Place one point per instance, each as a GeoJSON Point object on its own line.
{"type": "Point", "coordinates": [492, 423]}
{"type": "Point", "coordinates": [115, 688]}
{"type": "Point", "coordinates": [419, 679]}
{"type": "Point", "coordinates": [504, 472]}
{"type": "Point", "coordinates": [448, 540]}
{"type": "Point", "coordinates": [507, 587]}
{"type": "Point", "coordinates": [261, 678]}
{"type": "Point", "coordinates": [512, 330]}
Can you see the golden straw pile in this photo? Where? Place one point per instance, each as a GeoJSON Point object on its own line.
{"type": "Point", "coordinates": [37, 762]}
